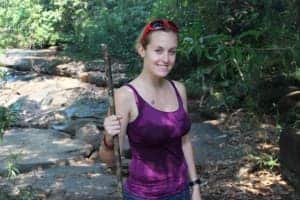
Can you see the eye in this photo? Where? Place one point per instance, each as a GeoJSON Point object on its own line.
{"type": "Point", "coordinates": [173, 52]}
{"type": "Point", "coordinates": [158, 50]}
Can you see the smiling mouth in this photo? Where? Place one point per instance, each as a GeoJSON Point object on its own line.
{"type": "Point", "coordinates": [163, 66]}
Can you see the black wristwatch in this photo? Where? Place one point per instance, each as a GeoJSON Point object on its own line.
{"type": "Point", "coordinates": [195, 182]}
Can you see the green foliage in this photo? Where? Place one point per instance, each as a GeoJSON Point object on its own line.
{"type": "Point", "coordinates": [7, 117]}
{"type": "Point", "coordinates": [296, 74]}
{"type": "Point", "coordinates": [227, 47]}
{"type": "Point", "coordinates": [3, 76]}
{"type": "Point", "coordinates": [78, 26]}
{"type": "Point", "coordinates": [27, 24]}
{"type": "Point", "coordinates": [250, 122]}
{"type": "Point", "coordinates": [265, 161]}
{"type": "Point", "coordinates": [11, 166]}
{"type": "Point", "coordinates": [27, 193]}
{"type": "Point", "coordinates": [3, 195]}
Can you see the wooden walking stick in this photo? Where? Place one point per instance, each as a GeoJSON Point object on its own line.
{"type": "Point", "coordinates": [112, 109]}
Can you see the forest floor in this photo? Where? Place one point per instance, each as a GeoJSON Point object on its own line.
{"type": "Point", "coordinates": [255, 176]}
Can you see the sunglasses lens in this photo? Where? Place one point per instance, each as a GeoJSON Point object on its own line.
{"type": "Point", "coordinates": [157, 25]}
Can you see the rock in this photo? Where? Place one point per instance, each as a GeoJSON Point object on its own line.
{"type": "Point", "coordinates": [71, 69]}
{"type": "Point", "coordinates": [207, 141]}
{"type": "Point", "coordinates": [49, 62]}
{"type": "Point", "coordinates": [83, 77]}
{"type": "Point", "coordinates": [99, 78]}
{"type": "Point", "coordinates": [288, 102]}
{"type": "Point", "coordinates": [81, 113]}
{"type": "Point", "coordinates": [70, 126]}
{"type": "Point", "coordinates": [289, 144]}
{"type": "Point", "coordinates": [44, 65]}
{"type": "Point", "coordinates": [272, 90]}
{"type": "Point", "coordinates": [291, 177]}
{"type": "Point", "coordinates": [40, 61]}
{"type": "Point", "coordinates": [90, 134]}
{"type": "Point", "coordinates": [87, 108]}
{"type": "Point", "coordinates": [244, 171]}
{"type": "Point", "coordinates": [75, 182]}
{"type": "Point", "coordinates": [50, 102]}
{"type": "Point", "coordinates": [118, 67]}
{"type": "Point", "coordinates": [38, 147]}
{"type": "Point", "coordinates": [94, 65]}
{"type": "Point", "coordinates": [28, 52]}
{"type": "Point", "coordinates": [92, 71]}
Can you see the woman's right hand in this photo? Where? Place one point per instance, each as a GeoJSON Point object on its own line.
{"type": "Point", "coordinates": [112, 125]}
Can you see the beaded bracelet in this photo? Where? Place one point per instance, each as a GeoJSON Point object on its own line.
{"type": "Point", "coordinates": [195, 182]}
{"type": "Point", "coordinates": [108, 146]}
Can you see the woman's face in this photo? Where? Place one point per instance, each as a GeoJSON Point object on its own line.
{"type": "Point", "coordinates": [160, 54]}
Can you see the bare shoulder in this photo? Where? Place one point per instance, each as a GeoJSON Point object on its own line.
{"type": "Point", "coordinates": [181, 88]}
{"type": "Point", "coordinates": [124, 94]}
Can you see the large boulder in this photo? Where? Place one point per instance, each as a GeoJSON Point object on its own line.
{"type": "Point", "coordinates": [290, 153]}
{"type": "Point", "coordinates": [60, 103]}
{"type": "Point", "coordinates": [289, 102]}
{"type": "Point", "coordinates": [41, 61]}
{"type": "Point", "coordinates": [49, 61]}
{"type": "Point", "coordinates": [277, 90]}
{"type": "Point", "coordinates": [40, 148]}
{"type": "Point", "coordinates": [29, 52]}
{"type": "Point", "coordinates": [79, 181]}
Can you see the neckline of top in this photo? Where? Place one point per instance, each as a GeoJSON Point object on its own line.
{"type": "Point", "coordinates": [154, 108]}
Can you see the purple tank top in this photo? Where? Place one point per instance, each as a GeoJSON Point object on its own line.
{"type": "Point", "coordinates": [158, 167]}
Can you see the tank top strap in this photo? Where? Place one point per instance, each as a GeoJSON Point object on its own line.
{"type": "Point", "coordinates": [138, 100]}
{"type": "Point", "coordinates": [179, 99]}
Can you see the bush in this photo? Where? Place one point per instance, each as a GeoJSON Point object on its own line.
{"type": "Point", "coordinates": [78, 26]}
{"type": "Point", "coordinates": [7, 117]}
{"type": "Point", "coordinates": [227, 46]}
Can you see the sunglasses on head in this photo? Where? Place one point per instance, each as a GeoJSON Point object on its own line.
{"type": "Point", "coordinates": [162, 24]}
{"type": "Point", "coordinates": [157, 25]}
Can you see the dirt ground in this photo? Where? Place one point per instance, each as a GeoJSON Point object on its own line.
{"type": "Point", "coordinates": [255, 176]}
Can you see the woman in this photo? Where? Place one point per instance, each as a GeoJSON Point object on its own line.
{"type": "Point", "coordinates": [152, 111]}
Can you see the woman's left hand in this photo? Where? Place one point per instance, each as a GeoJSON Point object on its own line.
{"type": "Point", "coordinates": [196, 193]}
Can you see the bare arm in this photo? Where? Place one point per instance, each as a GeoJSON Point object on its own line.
{"type": "Point", "coordinates": [188, 148]}
{"type": "Point", "coordinates": [115, 125]}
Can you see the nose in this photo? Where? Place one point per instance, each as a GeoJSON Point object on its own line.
{"type": "Point", "coordinates": [165, 57]}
